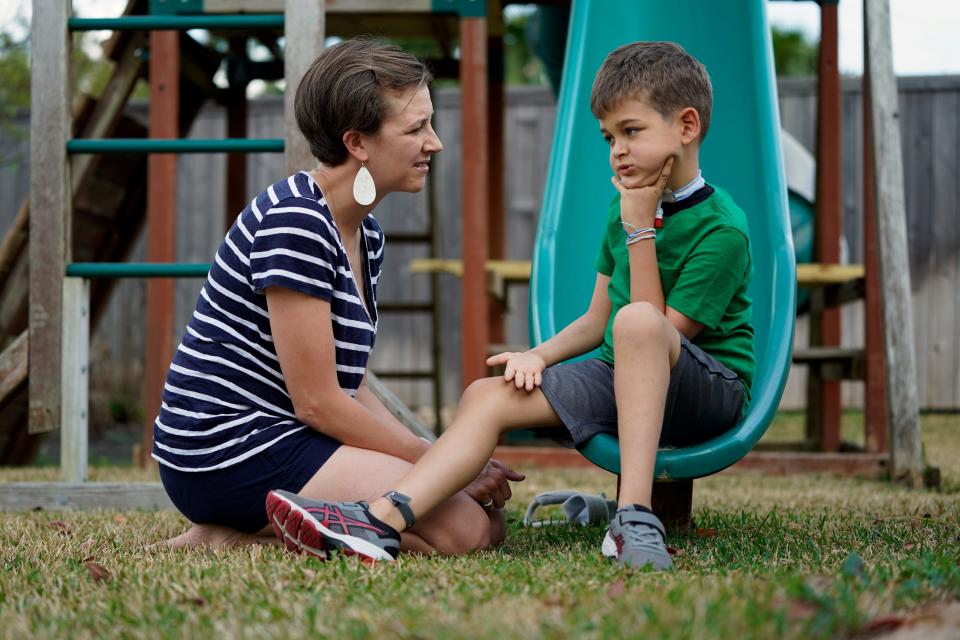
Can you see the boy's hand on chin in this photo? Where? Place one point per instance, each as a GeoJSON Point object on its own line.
{"type": "Point", "coordinates": [638, 206]}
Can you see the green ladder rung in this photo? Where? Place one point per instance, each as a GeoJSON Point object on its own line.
{"type": "Point", "coordinates": [138, 269]}
{"type": "Point", "coordinates": [159, 145]}
{"type": "Point", "coordinates": [177, 23]}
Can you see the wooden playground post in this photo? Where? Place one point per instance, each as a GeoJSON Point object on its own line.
{"type": "Point", "coordinates": [304, 30]}
{"type": "Point", "coordinates": [161, 223]}
{"type": "Point", "coordinates": [903, 413]}
{"type": "Point", "coordinates": [823, 396]}
{"type": "Point", "coordinates": [875, 392]}
{"type": "Point", "coordinates": [51, 212]}
{"type": "Point", "coordinates": [474, 195]}
{"type": "Point", "coordinates": [495, 162]}
{"type": "Point", "coordinates": [237, 111]}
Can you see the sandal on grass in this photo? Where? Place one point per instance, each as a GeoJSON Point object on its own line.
{"type": "Point", "coordinates": [578, 508]}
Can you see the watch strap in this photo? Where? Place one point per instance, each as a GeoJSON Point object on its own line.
{"type": "Point", "coordinates": [402, 503]}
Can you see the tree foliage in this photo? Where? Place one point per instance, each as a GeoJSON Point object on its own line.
{"type": "Point", "coordinates": [793, 53]}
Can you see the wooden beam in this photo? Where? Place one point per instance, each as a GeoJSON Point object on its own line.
{"type": "Point", "coordinates": [819, 274]}
{"type": "Point", "coordinates": [399, 410]}
{"type": "Point", "coordinates": [58, 496]}
{"type": "Point", "coordinates": [161, 223]}
{"type": "Point", "coordinates": [304, 31]}
{"type": "Point", "coordinates": [333, 6]}
{"type": "Point", "coordinates": [13, 366]}
{"type": "Point", "coordinates": [474, 196]}
{"type": "Point", "coordinates": [901, 368]}
{"type": "Point", "coordinates": [236, 128]}
{"type": "Point", "coordinates": [777, 463]}
{"type": "Point", "coordinates": [875, 393]}
{"type": "Point", "coordinates": [823, 396]}
{"type": "Point", "coordinates": [497, 307]}
{"type": "Point", "coordinates": [513, 270]}
{"type": "Point", "coordinates": [50, 216]}
{"type": "Point", "coordinates": [788, 463]}
{"type": "Point", "coordinates": [110, 104]}
{"type": "Point", "coordinates": [76, 364]}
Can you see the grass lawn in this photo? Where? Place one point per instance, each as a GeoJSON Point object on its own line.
{"type": "Point", "coordinates": [794, 557]}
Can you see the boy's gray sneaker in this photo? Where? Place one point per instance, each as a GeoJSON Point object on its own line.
{"type": "Point", "coordinates": [640, 539]}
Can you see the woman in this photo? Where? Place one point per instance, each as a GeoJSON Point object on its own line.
{"type": "Point", "coordinates": [267, 389]}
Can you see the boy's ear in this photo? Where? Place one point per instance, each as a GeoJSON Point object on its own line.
{"type": "Point", "coordinates": [354, 141]}
{"type": "Point", "coordinates": [689, 119]}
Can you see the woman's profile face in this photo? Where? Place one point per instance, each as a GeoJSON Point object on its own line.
{"type": "Point", "coordinates": [400, 152]}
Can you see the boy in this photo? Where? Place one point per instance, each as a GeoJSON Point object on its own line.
{"type": "Point", "coordinates": [669, 310]}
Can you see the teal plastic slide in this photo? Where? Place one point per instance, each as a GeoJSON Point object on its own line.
{"type": "Point", "coordinates": [741, 153]}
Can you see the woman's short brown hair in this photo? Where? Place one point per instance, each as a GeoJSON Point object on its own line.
{"type": "Point", "coordinates": [345, 89]}
{"type": "Point", "coordinates": [661, 74]}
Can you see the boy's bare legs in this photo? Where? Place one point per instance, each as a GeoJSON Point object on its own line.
{"type": "Point", "coordinates": [646, 346]}
{"type": "Point", "coordinates": [489, 408]}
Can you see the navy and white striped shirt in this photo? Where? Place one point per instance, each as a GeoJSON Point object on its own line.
{"type": "Point", "coordinates": [225, 399]}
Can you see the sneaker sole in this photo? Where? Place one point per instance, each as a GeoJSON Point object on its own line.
{"type": "Point", "coordinates": [608, 548]}
{"type": "Point", "coordinates": [301, 532]}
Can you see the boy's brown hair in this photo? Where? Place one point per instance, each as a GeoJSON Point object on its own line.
{"type": "Point", "coordinates": [661, 74]}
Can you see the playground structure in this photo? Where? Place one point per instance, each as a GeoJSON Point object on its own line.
{"type": "Point", "coordinates": [60, 290]}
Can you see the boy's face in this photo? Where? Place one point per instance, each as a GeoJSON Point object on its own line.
{"type": "Point", "coordinates": [640, 141]}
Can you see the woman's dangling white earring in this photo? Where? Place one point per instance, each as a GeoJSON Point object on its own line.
{"type": "Point", "coordinates": [364, 190]}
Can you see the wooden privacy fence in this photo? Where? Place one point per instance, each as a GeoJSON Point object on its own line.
{"type": "Point", "coordinates": [930, 109]}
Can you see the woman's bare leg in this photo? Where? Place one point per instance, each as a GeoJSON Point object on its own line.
{"type": "Point", "coordinates": [457, 525]}
{"type": "Point", "coordinates": [489, 407]}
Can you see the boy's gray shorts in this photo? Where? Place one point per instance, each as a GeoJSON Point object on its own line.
{"type": "Point", "coordinates": [704, 399]}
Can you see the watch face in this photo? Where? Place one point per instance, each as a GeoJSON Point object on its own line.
{"type": "Point", "coordinates": [397, 497]}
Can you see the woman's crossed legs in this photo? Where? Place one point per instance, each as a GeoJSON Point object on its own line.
{"type": "Point", "coordinates": [457, 525]}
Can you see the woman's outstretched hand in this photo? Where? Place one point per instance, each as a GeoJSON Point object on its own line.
{"type": "Point", "coordinates": [491, 488]}
{"type": "Point", "coordinates": [524, 368]}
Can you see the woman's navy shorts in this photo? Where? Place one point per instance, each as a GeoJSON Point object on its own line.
{"type": "Point", "coordinates": [704, 399]}
{"type": "Point", "coordinates": [236, 496]}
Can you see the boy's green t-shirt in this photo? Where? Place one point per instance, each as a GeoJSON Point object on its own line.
{"type": "Point", "coordinates": [703, 252]}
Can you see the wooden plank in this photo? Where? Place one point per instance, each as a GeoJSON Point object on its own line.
{"type": "Point", "coordinates": [818, 274]}
{"type": "Point", "coordinates": [14, 241]}
{"type": "Point", "coordinates": [87, 496]}
{"type": "Point", "coordinates": [110, 104]}
{"type": "Point", "coordinates": [941, 279]}
{"type": "Point", "coordinates": [50, 219]}
{"type": "Point", "coordinates": [955, 367]}
{"type": "Point", "coordinates": [75, 380]}
{"type": "Point", "coordinates": [784, 463]}
{"type": "Point", "coordinates": [496, 215]}
{"type": "Point", "coordinates": [824, 396]}
{"type": "Point", "coordinates": [399, 410]}
{"type": "Point", "coordinates": [875, 385]}
{"type": "Point", "coordinates": [901, 367]}
{"type": "Point", "coordinates": [236, 172]}
{"type": "Point", "coordinates": [332, 6]}
{"type": "Point", "coordinates": [161, 224]}
{"type": "Point", "coordinates": [916, 113]}
{"type": "Point", "coordinates": [474, 197]}
{"type": "Point", "coordinates": [832, 363]}
{"type": "Point", "coordinates": [304, 30]}
{"type": "Point", "coordinates": [513, 270]}
{"type": "Point", "coordinates": [776, 463]}
{"type": "Point", "coordinates": [13, 366]}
